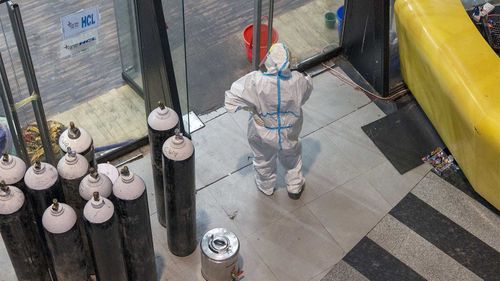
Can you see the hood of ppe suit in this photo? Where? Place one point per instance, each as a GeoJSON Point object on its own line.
{"type": "Point", "coordinates": [277, 59]}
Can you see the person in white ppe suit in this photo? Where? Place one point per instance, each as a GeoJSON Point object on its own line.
{"type": "Point", "coordinates": [275, 99]}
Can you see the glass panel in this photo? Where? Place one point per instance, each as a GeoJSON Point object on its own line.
{"type": "Point", "coordinates": [174, 16]}
{"type": "Point", "coordinates": [307, 27]}
{"type": "Point", "coordinates": [215, 51]}
{"type": "Point", "coordinates": [79, 71]}
{"type": "Point", "coordinates": [215, 48]}
{"type": "Point", "coordinates": [127, 38]}
{"type": "Point", "coordinates": [395, 76]}
{"type": "Point", "coordinates": [6, 145]}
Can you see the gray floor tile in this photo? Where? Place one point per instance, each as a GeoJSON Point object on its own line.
{"type": "Point", "coordinates": [349, 127]}
{"type": "Point", "coordinates": [413, 250]}
{"type": "Point", "coordinates": [349, 211]}
{"type": "Point", "coordinates": [209, 215]}
{"type": "Point", "coordinates": [361, 156]}
{"type": "Point", "coordinates": [6, 265]}
{"type": "Point", "coordinates": [325, 166]}
{"type": "Point", "coordinates": [164, 263]}
{"type": "Point", "coordinates": [241, 118]}
{"type": "Point", "coordinates": [238, 195]}
{"type": "Point", "coordinates": [320, 276]}
{"type": "Point", "coordinates": [190, 267]}
{"type": "Point", "coordinates": [221, 148]}
{"type": "Point", "coordinates": [460, 208]}
{"type": "Point", "coordinates": [252, 264]}
{"type": "Point", "coordinates": [205, 118]}
{"type": "Point", "coordinates": [390, 184]}
{"type": "Point", "coordinates": [331, 99]}
{"type": "Point", "coordinates": [296, 247]}
{"type": "Point", "coordinates": [342, 271]}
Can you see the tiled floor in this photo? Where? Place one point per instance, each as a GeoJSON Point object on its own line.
{"type": "Point", "coordinates": [437, 232]}
{"type": "Point", "coordinates": [350, 188]}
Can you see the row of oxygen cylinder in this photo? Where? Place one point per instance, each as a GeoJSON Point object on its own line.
{"type": "Point", "coordinates": [173, 163]}
{"type": "Point", "coordinates": [69, 222]}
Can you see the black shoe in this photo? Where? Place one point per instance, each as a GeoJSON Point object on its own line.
{"type": "Point", "coordinates": [296, 196]}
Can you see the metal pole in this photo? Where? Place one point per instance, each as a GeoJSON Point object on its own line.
{"type": "Point", "coordinates": [11, 115]}
{"type": "Point", "coordinates": [171, 81]}
{"type": "Point", "coordinates": [29, 72]}
{"type": "Point", "coordinates": [257, 15]}
{"type": "Point", "coordinates": [270, 25]}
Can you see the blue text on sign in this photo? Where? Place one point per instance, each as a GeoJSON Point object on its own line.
{"type": "Point", "coordinates": [88, 20]}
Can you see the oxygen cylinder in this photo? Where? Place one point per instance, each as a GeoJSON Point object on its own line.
{"type": "Point", "coordinates": [161, 125]}
{"type": "Point", "coordinates": [12, 170]}
{"type": "Point", "coordinates": [180, 194]}
{"type": "Point", "coordinates": [80, 141]}
{"type": "Point", "coordinates": [72, 169]}
{"type": "Point", "coordinates": [42, 185]}
{"type": "Point", "coordinates": [108, 170]}
{"type": "Point", "coordinates": [65, 242]}
{"type": "Point", "coordinates": [131, 201]}
{"type": "Point", "coordinates": [105, 242]}
{"type": "Point", "coordinates": [20, 236]}
{"type": "Point", "coordinates": [93, 182]}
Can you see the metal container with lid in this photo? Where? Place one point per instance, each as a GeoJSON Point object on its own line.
{"type": "Point", "coordinates": [104, 236]}
{"type": "Point", "coordinates": [219, 255]}
{"type": "Point", "coordinates": [65, 242]}
{"type": "Point", "coordinates": [131, 201]}
{"type": "Point", "coordinates": [80, 141]}
{"type": "Point", "coordinates": [12, 170]}
{"type": "Point", "coordinates": [162, 122]}
{"type": "Point", "coordinates": [20, 236]}
{"type": "Point", "coordinates": [180, 194]}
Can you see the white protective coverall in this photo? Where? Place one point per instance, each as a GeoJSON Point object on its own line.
{"type": "Point", "coordinates": [275, 99]}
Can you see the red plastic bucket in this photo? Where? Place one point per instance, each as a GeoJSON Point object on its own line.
{"type": "Point", "coordinates": [248, 38]}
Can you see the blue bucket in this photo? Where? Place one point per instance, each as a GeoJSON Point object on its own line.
{"type": "Point", "coordinates": [340, 18]}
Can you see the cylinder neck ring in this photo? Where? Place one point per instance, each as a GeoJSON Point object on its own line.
{"type": "Point", "coordinates": [97, 204]}
{"type": "Point", "coordinates": [73, 131]}
{"type": "Point", "coordinates": [5, 192]}
{"type": "Point", "coordinates": [7, 161]}
{"type": "Point", "coordinates": [39, 168]}
{"type": "Point", "coordinates": [56, 209]}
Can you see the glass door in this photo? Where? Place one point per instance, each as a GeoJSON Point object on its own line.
{"type": "Point", "coordinates": [125, 15]}
{"type": "Point", "coordinates": [211, 35]}
{"type": "Point", "coordinates": [75, 50]}
{"type": "Point", "coordinates": [173, 11]}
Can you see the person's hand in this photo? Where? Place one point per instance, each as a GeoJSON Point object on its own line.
{"type": "Point", "coordinates": [258, 120]}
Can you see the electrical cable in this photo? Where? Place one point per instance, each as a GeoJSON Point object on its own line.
{"type": "Point", "coordinates": [347, 80]}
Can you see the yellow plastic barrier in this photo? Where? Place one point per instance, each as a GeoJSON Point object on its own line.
{"type": "Point", "coordinates": [455, 77]}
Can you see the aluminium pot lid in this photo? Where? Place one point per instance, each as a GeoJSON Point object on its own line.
{"type": "Point", "coordinates": [220, 244]}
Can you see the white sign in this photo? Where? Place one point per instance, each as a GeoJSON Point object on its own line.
{"type": "Point", "coordinates": [80, 22]}
{"type": "Point", "coordinates": [81, 44]}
